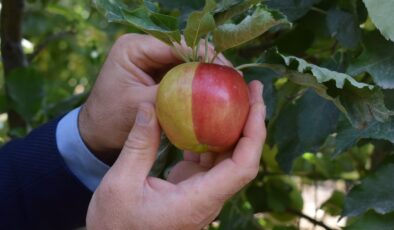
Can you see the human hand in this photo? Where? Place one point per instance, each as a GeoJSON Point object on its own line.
{"type": "Point", "coordinates": [128, 198]}
{"type": "Point", "coordinates": [129, 77]}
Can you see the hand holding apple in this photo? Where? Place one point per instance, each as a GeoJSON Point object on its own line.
{"type": "Point", "coordinates": [128, 77]}
{"type": "Point", "coordinates": [128, 198]}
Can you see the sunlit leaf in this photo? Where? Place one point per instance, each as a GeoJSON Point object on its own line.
{"type": "Point", "coordinates": [223, 16]}
{"type": "Point", "coordinates": [381, 13]}
{"type": "Point", "coordinates": [199, 24]}
{"type": "Point", "coordinates": [360, 102]}
{"type": "Point", "coordinates": [230, 35]}
{"type": "Point", "coordinates": [377, 59]}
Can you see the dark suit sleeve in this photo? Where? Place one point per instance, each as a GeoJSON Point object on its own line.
{"type": "Point", "coordinates": [37, 191]}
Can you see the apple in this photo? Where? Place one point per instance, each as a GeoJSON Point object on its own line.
{"type": "Point", "coordinates": [202, 107]}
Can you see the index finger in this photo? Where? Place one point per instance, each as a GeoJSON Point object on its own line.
{"type": "Point", "coordinates": [230, 175]}
{"type": "Point", "coordinates": [149, 53]}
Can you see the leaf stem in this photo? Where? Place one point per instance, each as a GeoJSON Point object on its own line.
{"type": "Point", "coordinates": [276, 68]}
{"type": "Point", "coordinates": [196, 50]}
{"type": "Point", "coordinates": [313, 8]}
{"type": "Point", "coordinates": [180, 53]}
{"type": "Point", "coordinates": [214, 57]}
{"type": "Point", "coordinates": [206, 58]}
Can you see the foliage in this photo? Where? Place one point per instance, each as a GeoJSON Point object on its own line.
{"type": "Point", "coordinates": [327, 70]}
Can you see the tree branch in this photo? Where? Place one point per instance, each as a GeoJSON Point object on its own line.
{"type": "Point", "coordinates": [41, 46]}
{"type": "Point", "coordinates": [11, 35]}
{"type": "Point", "coordinates": [11, 47]}
{"type": "Point", "coordinates": [310, 219]}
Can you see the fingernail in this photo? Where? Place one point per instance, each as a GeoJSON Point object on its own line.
{"type": "Point", "coordinates": [144, 116]}
{"type": "Point", "coordinates": [261, 89]}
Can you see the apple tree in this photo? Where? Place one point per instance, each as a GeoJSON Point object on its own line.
{"type": "Point", "coordinates": [328, 75]}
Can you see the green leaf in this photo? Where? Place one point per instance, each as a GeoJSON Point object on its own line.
{"type": "Point", "coordinates": [363, 105]}
{"type": "Point", "coordinates": [235, 10]}
{"type": "Point", "coordinates": [321, 74]}
{"type": "Point", "coordinates": [267, 77]}
{"type": "Point", "coordinates": [348, 136]}
{"type": "Point", "coordinates": [199, 24]}
{"type": "Point", "coordinates": [381, 13]}
{"type": "Point", "coordinates": [161, 26]}
{"type": "Point", "coordinates": [303, 127]}
{"type": "Point", "coordinates": [377, 59]}
{"type": "Point", "coordinates": [238, 214]}
{"type": "Point", "coordinates": [230, 35]}
{"type": "Point", "coordinates": [372, 220]}
{"type": "Point", "coordinates": [281, 194]}
{"type": "Point", "coordinates": [278, 196]}
{"type": "Point", "coordinates": [360, 102]}
{"type": "Point", "coordinates": [296, 41]}
{"type": "Point", "coordinates": [334, 204]}
{"type": "Point", "coordinates": [183, 7]}
{"type": "Point", "coordinates": [293, 9]}
{"type": "Point", "coordinates": [374, 192]}
{"type": "Point", "coordinates": [388, 98]}
{"type": "Point", "coordinates": [111, 9]}
{"type": "Point", "coordinates": [256, 196]}
{"type": "Point", "coordinates": [3, 102]}
{"type": "Point", "coordinates": [25, 87]}
{"type": "Point", "coordinates": [344, 27]}
{"type": "Point", "coordinates": [226, 4]}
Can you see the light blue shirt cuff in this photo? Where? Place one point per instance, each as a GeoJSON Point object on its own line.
{"type": "Point", "coordinates": [82, 163]}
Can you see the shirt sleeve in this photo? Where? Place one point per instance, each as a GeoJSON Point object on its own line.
{"type": "Point", "coordinates": [78, 158]}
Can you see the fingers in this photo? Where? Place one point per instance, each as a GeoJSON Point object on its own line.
{"type": "Point", "coordinates": [207, 159]}
{"type": "Point", "coordinates": [146, 52]}
{"type": "Point", "coordinates": [248, 150]}
{"type": "Point", "coordinates": [184, 170]}
{"type": "Point", "coordinates": [140, 148]}
{"type": "Point", "coordinates": [220, 59]}
{"type": "Point", "coordinates": [231, 174]}
{"type": "Point", "coordinates": [154, 58]}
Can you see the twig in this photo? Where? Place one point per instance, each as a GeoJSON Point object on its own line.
{"type": "Point", "coordinates": [41, 46]}
{"type": "Point", "coordinates": [318, 10]}
{"type": "Point", "coordinates": [310, 219]}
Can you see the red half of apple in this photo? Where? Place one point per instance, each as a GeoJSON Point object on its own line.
{"type": "Point", "coordinates": [202, 107]}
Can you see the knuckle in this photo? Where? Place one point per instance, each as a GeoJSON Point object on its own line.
{"type": "Point", "coordinates": [137, 142]}
{"type": "Point", "coordinates": [126, 38]}
{"type": "Point", "coordinates": [248, 175]}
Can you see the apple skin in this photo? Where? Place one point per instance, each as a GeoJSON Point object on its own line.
{"type": "Point", "coordinates": [202, 107]}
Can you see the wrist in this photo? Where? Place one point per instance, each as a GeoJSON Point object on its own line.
{"type": "Point", "coordinates": [90, 132]}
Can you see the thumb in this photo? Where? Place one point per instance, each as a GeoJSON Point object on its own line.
{"type": "Point", "coordinates": [139, 151]}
